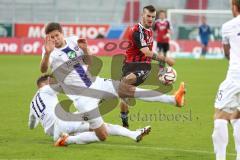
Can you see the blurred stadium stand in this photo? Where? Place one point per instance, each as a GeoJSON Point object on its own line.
{"type": "Point", "coordinates": [87, 11]}
{"type": "Point", "coordinates": [77, 11]}
{"type": "Point", "coordinates": [218, 4]}
{"type": "Point", "coordinates": [165, 4]}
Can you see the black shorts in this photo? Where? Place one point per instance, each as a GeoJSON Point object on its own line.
{"type": "Point", "coordinates": [163, 47]}
{"type": "Point", "coordinates": [141, 70]}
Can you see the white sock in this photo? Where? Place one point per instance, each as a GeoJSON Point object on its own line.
{"type": "Point", "coordinates": [236, 133]}
{"type": "Point", "coordinates": [116, 130]}
{"type": "Point", "coordinates": [153, 96]}
{"type": "Point", "coordinates": [69, 127]}
{"type": "Point", "coordinates": [83, 138]}
{"type": "Point", "coordinates": [220, 138]}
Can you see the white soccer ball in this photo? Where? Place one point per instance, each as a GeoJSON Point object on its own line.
{"type": "Point", "coordinates": [168, 76]}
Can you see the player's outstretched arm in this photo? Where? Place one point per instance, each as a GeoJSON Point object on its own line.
{"type": "Point", "coordinates": [157, 57]}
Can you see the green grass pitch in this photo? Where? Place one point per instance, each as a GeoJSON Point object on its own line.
{"type": "Point", "coordinates": [171, 139]}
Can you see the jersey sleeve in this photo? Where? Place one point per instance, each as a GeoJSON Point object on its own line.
{"type": "Point", "coordinates": [225, 34]}
{"type": "Point", "coordinates": [32, 119]}
{"type": "Point", "coordinates": [138, 39]}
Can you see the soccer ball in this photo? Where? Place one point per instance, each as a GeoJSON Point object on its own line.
{"type": "Point", "coordinates": [168, 76]}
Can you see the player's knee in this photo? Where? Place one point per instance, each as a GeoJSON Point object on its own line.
{"type": "Point", "coordinates": [103, 136]}
{"type": "Point", "coordinates": [126, 90]}
{"type": "Point", "coordinates": [101, 133]}
{"type": "Point", "coordinates": [130, 78]}
{"type": "Point", "coordinates": [220, 114]}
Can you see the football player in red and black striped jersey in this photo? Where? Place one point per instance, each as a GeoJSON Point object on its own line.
{"type": "Point", "coordinates": [137, 62]}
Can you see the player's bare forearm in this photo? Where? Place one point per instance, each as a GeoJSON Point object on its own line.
{"type": "Point", "coordinates": [226, 48]}
{"type": "Point", "coordinates": [87, 57]}
{"type": "Point", "coordinates": [82, 43]}
{"type": "Point", "coordinates": [157, 57]}
{"type": "Point", "coordinates": [44, 68]}
{"type": "Point", "coordinates": [44, 63]}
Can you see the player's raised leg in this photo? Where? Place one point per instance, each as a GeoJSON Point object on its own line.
{"type": "Point", "coordinates": [177, 99]}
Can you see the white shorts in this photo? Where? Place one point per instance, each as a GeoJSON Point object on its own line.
{"type": "Point", "coordinates": [101, 89]}
{"type": "Point", "coordinates": [228, 96]}
{"type": "Point", "coordinates": [69, 127]}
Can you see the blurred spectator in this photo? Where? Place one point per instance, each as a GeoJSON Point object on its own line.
{"type": "Point", "coordinates": [204, 34]}
{"type": "Point", "coordinates": [100, 36]}
{"type": "Point", "coordinates": [162, 28]}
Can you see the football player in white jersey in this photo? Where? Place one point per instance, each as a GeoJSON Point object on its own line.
{"type": "Point", "coordinates": [227, 103]}
{"type": "Point", "coordinates": [42, 109]}
{"type": "Point", "coordinates": [68, 58]}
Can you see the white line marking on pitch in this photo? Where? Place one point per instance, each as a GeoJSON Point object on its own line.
{"type": "Point", "coordinates": [162, 149]}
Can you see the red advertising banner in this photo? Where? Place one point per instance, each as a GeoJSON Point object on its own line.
{"type": "Point", "coordinates": [105, 47]}
{"type": "Point", "coordinates": [193, 49]}
{"type": "Point", "coordinates": [81, 30]}
{"type": "Point", "coordinates": [191, 46]}
{"type": "Point", "coordinates": [20, 46]}
{"type": "Point", "coordinates": [34, 46]}
{"type": "Point", "coordinates": [10, 46]}
{"type": "Point", "coordinates": [29, 30]}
